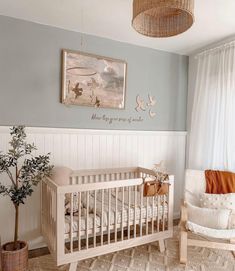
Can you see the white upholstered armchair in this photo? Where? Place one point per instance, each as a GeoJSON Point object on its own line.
{"type": "Point", "coordinates": [199, 218]}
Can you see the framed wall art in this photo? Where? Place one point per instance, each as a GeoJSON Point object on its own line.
{"type": "Point", "coordinates": [91, 80]}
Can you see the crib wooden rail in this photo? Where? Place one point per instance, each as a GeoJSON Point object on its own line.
{"type": "Point", "coordinates": [109, 213]}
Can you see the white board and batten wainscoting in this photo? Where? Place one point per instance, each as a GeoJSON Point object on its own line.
{"type": "Point", "coordinates": [92, 149]}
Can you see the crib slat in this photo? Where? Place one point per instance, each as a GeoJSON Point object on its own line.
{"type": "Point", "coordinates": [50, 211]}
{"type": "Point", "coordinates": [102, 216]}
{"type": "Point", "coordinates": [47, 212]}
{"type": "Point", "coordinates": [163, 213]}
{"type": "Point", "coordinates": [132, 175]}
{"type": "Point", "coordinates": [109, 214]}
{"type": "Point", "coordinates": [79, 220]}
{"type": "Point", "coordinates": [94, 227]}
{"type": "Point", "coordinates": [129, 203]}
{"type": "Point", "coordinates": [73, 180]}
{"type": "Point", "coordinates": [116, 212]}
{"type": "Point", "coordinates": [45, 204]}
{"type": "Point", "coordinates": [141, 205]}
{"type": "Point", "coordinates": [123, 176]}
{"type": "Point", "coordinates": [71, 222]}
{"type": "Point", "coordinates": [42, 206]}
{"type": "Point", "coordinates": [122, 230]}
{"type": "Point", "coordinates": [135, 200]}
{"type": "Point", "coordinates": [170, 202]}
{"type": "Point", "coordinates": [147, 207]}
{"type": "Point", "coordinates": [153, 203]}
{"type": "Point", "coordinates": [118, 177]}
{"type": "Point", "coordinates": [136, 174]}
{"type": "Point", "coordinates": [87, 219]}
{"type": "Point", "coordinates": [158, 213]}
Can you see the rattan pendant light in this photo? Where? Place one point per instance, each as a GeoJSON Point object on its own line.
{"type": "Point", "coordinates": [162, 18]}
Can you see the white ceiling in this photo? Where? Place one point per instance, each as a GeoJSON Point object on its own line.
{"type": "Point", "coordinates": [215, 20]}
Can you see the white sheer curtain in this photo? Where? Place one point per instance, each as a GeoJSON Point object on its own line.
{"type": "Point", "coordinates": [212, 132]}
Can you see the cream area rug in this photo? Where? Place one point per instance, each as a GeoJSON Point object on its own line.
{"type": "Point", "coordinates": [148, 258]}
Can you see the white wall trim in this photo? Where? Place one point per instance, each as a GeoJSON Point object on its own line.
{"type": "Point", "coordinates": [47, 130]}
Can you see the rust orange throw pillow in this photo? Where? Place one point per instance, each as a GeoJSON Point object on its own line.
{"type": "Point", "coordinates": [219, 182]}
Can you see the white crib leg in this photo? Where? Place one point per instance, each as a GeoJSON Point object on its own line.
{"type": "Point", "coordinates": [161, 245]}
{"type": "Point", "coordinates": [73, 266]}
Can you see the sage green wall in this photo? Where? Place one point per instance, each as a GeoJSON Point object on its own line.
{"type": "Point", "coordinates": [30, 83]}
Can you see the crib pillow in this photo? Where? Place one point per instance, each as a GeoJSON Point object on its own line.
{"type": "Point", "coordinates": [210, 218]}
{"type": "Point", "coordinates": [61, 175]}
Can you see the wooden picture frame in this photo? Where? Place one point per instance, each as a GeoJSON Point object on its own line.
{"type": "Point", "coordinates": [91, 80]}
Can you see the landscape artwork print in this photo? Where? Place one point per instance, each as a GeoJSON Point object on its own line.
{"type": "Point", "coordinates": [90, 80]}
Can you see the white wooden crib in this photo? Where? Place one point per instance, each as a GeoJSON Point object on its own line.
{"type": "Point", "coordinates": [112, 214]}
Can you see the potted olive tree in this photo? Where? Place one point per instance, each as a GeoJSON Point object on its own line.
{"type": "Point", "coordinates": [24, 172]}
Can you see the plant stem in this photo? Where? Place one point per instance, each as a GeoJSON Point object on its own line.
{"type": "Point", "coordinates": [10, 176]}
{"type": "Point", "coordinates": [16, 176]}
{"type": "Point", "coordinates": [16, 215]}
{"type": "Point", "coordinates": [16, 226]}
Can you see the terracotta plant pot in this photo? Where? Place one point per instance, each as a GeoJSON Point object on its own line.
{"type": "Point", "coordinates": [14, 260]}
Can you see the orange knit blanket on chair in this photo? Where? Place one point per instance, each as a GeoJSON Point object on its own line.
{"type": "Point", "coordinates": [219, 182]}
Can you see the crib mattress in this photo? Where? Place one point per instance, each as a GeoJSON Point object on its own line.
{"type": "Point", "coordinates": [123, 216]}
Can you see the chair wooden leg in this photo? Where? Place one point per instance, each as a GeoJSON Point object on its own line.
{"type": "Point", "coordinates": [161, 245]}
{"type": "Point", "coordinates": [232, 241]}
{"type": "Point", "coordinates": [73, 266]}
{"type": "Point", "coordinates": [183, 246]}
